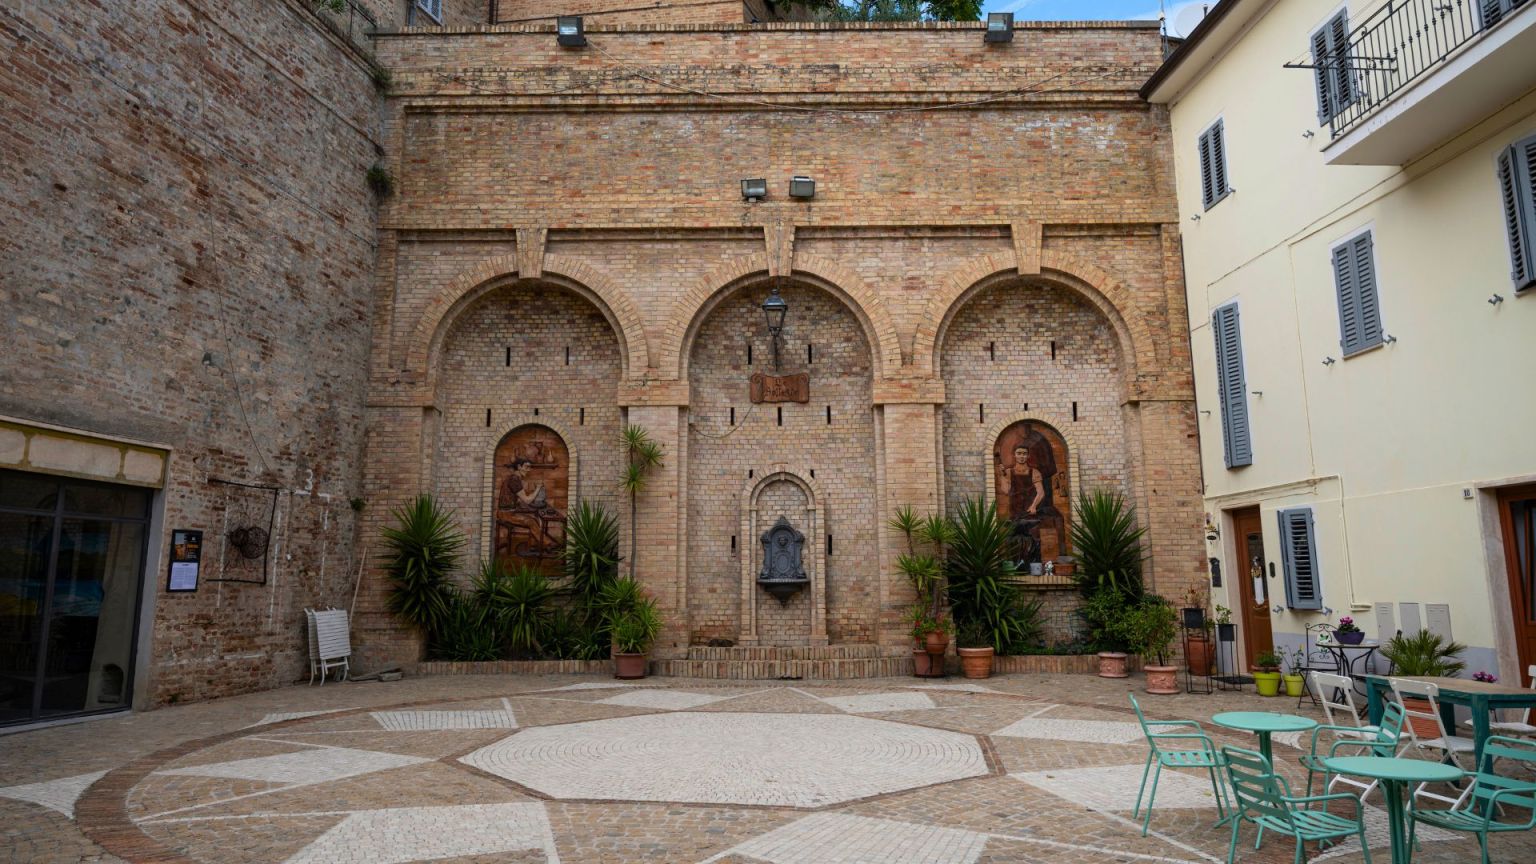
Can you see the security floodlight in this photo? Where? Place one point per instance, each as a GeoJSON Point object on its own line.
{"type": "Point", "coordinates": [802, 187]}
{"type": "Point", "coordinates": [755, 189]}
{"type": "Point", "coordinates": [999, 27]}
{"type": "Point", "coordinates": [568, 31]}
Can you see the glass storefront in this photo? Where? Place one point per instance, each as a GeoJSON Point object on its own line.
{"type": "Point", "coordinates": [71, 581]}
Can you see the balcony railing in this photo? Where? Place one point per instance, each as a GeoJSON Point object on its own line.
{"type": "Point", "coordinates": [1399, 43]}
{"type": "Point", "coordinates": [350, 20]}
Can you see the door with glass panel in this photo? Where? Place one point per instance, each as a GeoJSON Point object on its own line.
{"type": "Point", "coordinates": [71, 576]}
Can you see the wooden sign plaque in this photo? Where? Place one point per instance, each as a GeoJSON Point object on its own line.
{"type": "Point", "coordinates": [781, 388]}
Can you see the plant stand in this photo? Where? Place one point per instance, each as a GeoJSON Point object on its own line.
{"type": "Point", "coordinates": [1228, 677]}
{"type": "Point", "coordinates": [1194, 681]}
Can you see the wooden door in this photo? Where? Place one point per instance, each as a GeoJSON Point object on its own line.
{"type": "Point", "coordinates": [1251, 571]}
{"type": "Point", "coordinates": [1517, 513]}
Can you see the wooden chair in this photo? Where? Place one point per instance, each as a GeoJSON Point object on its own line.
{"type": "Point", "coordinates": [1205, 756]}
{"type": "Point", "coordinates": [1489, 793]}
{"type": "Point", "coordinates": [1513, 727]}
{"type": "Point", "coordinates": [1264, 798]}
{"type": "Point", "coordinates": [1444, 747]}
{"type": "Point", "coordinates": [1383, 741]}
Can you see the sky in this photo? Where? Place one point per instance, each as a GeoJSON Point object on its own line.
{"type": "Point", "coordinates": [1056, 10]}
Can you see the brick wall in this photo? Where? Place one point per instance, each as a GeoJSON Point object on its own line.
{"type": "Point", "coordinates": [186, 257]}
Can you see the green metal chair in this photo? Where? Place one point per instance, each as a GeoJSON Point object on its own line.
{"type": "Point", "coordinates": [1264, 798]}
{"type": "Point", "coordinates": [1205, 756]}
{"type": "Point", "coordinates": [1489, 793]}
{"type": "Point", "coordinates": [1383, 740]}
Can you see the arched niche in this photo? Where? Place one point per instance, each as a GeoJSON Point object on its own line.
{"type": "Point", "coordinates": [532, 472]}
{"type": "Point", "coordinates": [791, 493]}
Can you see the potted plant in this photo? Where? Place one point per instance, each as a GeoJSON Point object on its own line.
{"type": "Point", "coordinates": [1104, 613]}
{"type": "Point", "coordinates": [1151, 626]}
{"type": "Point", "coordinates": [986, 598]}
{"type": "Point", "coordinates": [924, 569]}
{"type": "Point", "coordinates": [1295, 663]}
{"type": "Point", "coordinates": [975, 648]}
{"type": "Point", "coordinates": [1200, 655]}
{"type": "Point", "coordinates": [633, 634]}
{"type": "Point", "coordinates": [1226, 631]}
{"type": "Point", "coordinates": [1266, 674]}
{"type": "Point", "coordinates": [1347, 633]}
{"type": "Point", "coordinates": [1424, 654]}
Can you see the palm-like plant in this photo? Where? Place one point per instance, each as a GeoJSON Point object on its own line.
{"type": "Point", "coordinates": [641, 455]}
{"type": "Point", "coordinates": [516, 604]}
{"type": "Point", "coordinates": [591, 555]}
{"type": "Point", "coordinates": [1424, 653]}
{"type": "Point", "coordinates": [466, 632]}
{"type": "Point", "coordinates": [983, 582]}
{"type": "Point", "coordinates": [1107, 543]}
{"type": "Point", "coordinates": [637, 628]}
{"type": "Point", "coordinates": [423, 551]}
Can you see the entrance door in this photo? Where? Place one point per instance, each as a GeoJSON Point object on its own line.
{"type": "Point", "coordinates": [1517, 512]}
{"type": "Point", "coordinates": [71, 567]}
{"type": "Point", "coordinates": [1253, 617]}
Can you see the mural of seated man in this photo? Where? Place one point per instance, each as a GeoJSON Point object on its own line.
{"type": "Point", "coordinates": [531, 475]}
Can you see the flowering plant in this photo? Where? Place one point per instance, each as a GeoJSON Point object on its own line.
{"type": "Point", "coordinates": [1346, 625]}
{"type": "Point", "coordinates": [1485, 677]}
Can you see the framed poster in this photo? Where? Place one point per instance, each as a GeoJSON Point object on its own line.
{"type": "Point", "coordinates": [186, 557]}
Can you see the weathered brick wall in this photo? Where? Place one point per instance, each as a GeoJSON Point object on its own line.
{"type": "Point", "coordinates": [841, 452]}
{"type": "Point", "coordinates": [186, 254]}
{"type": "Point", "coordinates": [608, 12]}
{"type": "Point", "coordinates": [616, 168]}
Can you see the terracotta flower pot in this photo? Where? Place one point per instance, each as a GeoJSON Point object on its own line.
{"type": "Point", "coordinates": [976, 662]}
{"type": "Point", "coordinates": [1112, 665]}
{"type": "Point", "coordinates": [1162, 680]}
{"type": "Point", "coordinates": [922, 664]}
{"type": "Point", "coordinates": [1200, 656]}
{"type": "Point", "coordinates": [936, 642]}
{"type": "Point", "coordinates": [1424, 728]}
{"type": "Point", "coordinates": [629, 666]}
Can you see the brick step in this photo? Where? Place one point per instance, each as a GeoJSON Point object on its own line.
{"type": "Point", "coordinates": [823, 669]}
{"type": "Point", "coordinates": [738, 654]}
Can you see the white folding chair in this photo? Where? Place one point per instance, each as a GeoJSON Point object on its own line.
{"type": "Point", "coordinates": [1444, 747]}
{"type": "Point", "coordinates": [1335, 693]}
{"type": "Point", "coordinates": [1512, 727]}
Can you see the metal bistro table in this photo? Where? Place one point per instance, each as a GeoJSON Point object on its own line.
{"type": "Point", "coordinates": [1352, 668]}
{"type": "Point", "coordinates": [1264, 723]}
{"type": "Point", "coordinates": [1478, 696]}
{"type": "Point", "coordinates": [1394, 773]}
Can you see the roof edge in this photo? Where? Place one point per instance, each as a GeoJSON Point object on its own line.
{"type": "Point", "coordinates": [1191, 44]}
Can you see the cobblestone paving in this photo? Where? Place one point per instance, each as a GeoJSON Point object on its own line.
{"type": "Point", "coordinates": [568, 769]}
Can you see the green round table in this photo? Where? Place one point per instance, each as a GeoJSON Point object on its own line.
{"type": "Point", "coordinates": [1394, 773]}
{"type": "Point", "coordinates": [1264, 723]}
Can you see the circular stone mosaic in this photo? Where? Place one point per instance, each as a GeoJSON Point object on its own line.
{"type": "Point", "coordinates": [785, 760]}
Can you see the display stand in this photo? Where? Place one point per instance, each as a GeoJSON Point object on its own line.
{"type": "Point", "coordinates": [1228, 676]}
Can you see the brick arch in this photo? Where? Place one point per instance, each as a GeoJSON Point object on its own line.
{"type": "Point", "coordinates": [445, 306]}
{"type": "Point", "coordinates": [839, 281]}
{"type": "Point", "coordinates": [1105, 293]}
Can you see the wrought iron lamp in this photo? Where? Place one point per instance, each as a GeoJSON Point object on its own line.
{"type": "Point", "coordinates": [774, 309]}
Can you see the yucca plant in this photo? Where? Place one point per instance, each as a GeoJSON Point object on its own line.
{"type": "Point", "coordinates": [637, 628]}
{"type": "Point", "coordinates": [641, 455]}
{"type": "Point", "coordinates": [516, 603]}
{"type": "Point", "coordinates": [1424, 653]}
{"type": "Point", "coordinates": [591, 555]}
{"type": "Point", "coordinates": [423, 550]}
{"type": "Point", "coordinates": [466, 632]}
{"type": "Point", "coordinates": [1107, 543]}
{"type": "Point", "coordinates": [982, 580]}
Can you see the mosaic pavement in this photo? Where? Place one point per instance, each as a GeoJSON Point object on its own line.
{"type": "Point", "coordinates": [564, 769]}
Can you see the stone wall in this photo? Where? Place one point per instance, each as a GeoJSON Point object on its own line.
{"type": "Point", "coordinates": [186, 258]}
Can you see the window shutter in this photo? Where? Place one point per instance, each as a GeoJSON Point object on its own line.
{"type": "Point", "coordinates": [1218, 135]}
{"type": "Point", "coordinates": [1321, 60]}
{"type": "Point", "coordinates": [1207, 180]}
{"type": "Point", "coordinates": [1237, 445]}
{"type": "Point", "coordinates": [1493, 11]}
{"type": "Point", "coordinates": [1332, 76]}
{"type": "Point", "coordinates": [1517, 189]}
{"type": "Point", "coordinates": [1354, 275]}
{"type": "Point", "coordinates": [1303, 590]}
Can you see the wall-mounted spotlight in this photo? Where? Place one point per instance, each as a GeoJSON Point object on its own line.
{"type": "Point", "coordinates": [755, 189]}
{"type": "Point", "coordinates": [802, 187]}
{"type": "Point", "coordinates": [999, 27]}
{"type": "Point", "coordinates": [569, 32]}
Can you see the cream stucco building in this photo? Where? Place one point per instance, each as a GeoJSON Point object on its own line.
{"type": "Point", "coordinates": [1354, 186]}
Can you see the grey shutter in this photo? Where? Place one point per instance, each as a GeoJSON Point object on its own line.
{"type": "Point", "coordinates": [1303, 589]}
{"type": "Point", "coordinates": [1218, 136]}
{"type": "Point", "coordinates": [1332, 76]}
{"type": "Point", "coordinates": [1493, 11]}
{"type": "Point", "coordinates": [1237, 445]}
{"type": "Point", "coordinates": [1517, 191]}
{"type": "Point", "coordinates": [1354, 276]}
{"type": "Point", "coordinates": [1207, 180]}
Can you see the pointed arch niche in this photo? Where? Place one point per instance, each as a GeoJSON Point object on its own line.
{"type": "Point", "coordinates": [793, 494]}
{"type": "Point", "coordinates": [1032, 475]}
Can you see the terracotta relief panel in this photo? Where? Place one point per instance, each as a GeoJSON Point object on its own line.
{"type": "Point", "coordinates": [532, 479]}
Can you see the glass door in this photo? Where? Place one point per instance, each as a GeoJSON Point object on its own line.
{"type": "Point", "coordinates": [71, 571]}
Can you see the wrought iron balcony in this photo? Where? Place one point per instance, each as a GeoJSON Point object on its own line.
{"type": "Point", "coordinates": [1407, 45]}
